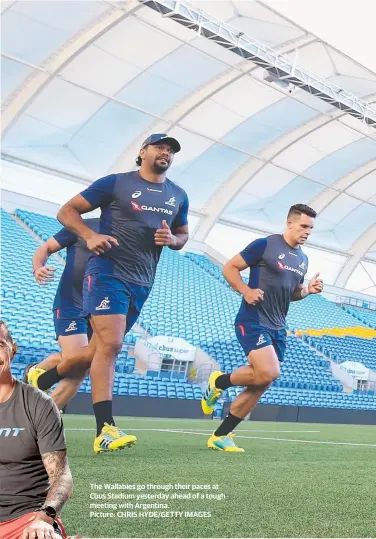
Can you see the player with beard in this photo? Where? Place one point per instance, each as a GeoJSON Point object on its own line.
{"type": "Point", "coordinates": [142, 211]}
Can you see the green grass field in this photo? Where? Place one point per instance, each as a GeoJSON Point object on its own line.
{"type": "Point", "coordinates": [280, 487]}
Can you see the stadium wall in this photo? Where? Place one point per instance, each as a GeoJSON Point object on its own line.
{"type": "Point", "coordinates": [139, 406]}
{"type": "Point", "coordinates": [191, 409]}
{"type": "Point", "coordinates": [11, 201]}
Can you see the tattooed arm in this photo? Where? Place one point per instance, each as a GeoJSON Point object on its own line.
{"type": "Point", "coordinates": [57, 467]}
{"type": "Point", "coordinates": [56, 464]}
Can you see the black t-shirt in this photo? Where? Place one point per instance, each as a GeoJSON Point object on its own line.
{"type": "Point", "coordinates": [30, 426]}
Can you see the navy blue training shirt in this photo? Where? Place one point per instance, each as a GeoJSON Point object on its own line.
{"type": "Point", "coordinates": [68, 297]}
{"type": "Point", "coordinates": [132, 210]}
{"type": "Point", "coordinates": [277, 269]}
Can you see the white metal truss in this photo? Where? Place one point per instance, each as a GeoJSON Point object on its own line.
{"type": "Point", "coordinates": [23, 96]}
{"type": "Point", "coordinates": [250, 49]}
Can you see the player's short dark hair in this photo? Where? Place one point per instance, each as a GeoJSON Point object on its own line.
{"type": "Point", "coordinates": [7, 335]}
{"type": "Point", "coordinates": [138, 161]}
{"type": "Point", "coordinates": [298, 209]}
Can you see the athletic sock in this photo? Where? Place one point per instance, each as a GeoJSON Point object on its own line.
{"type": "Point", "coordinates": [228, 425]}
{"type": "Point", "coordinates": [103, 414]}
{"type": "Point", "coordinates": [223, 381]}
{"type": "Point", "coordinates": [49, 378]}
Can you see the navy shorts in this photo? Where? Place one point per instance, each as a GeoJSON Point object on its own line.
{"type": "Point", "coordinates": [106, 294]}
{"type": "Point", "coordinates": [66, 325]}
{"type": "Point", "coordinates": [253, 337]}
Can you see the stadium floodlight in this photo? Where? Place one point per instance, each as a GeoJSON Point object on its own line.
{"type": "Point", "coordinates": [250, 49]}
{"type": "Point", "coordinates": [271, 77]}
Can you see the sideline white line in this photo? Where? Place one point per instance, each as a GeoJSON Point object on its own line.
{"type": "Point", "coordinates": [254, 430]}
{"type": "Point", "coordinates": [198, 431]}
{"type": "Point", "coordinates": [246, 437]}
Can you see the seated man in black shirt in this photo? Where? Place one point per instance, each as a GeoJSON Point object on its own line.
{"type": "Point", "coordinates": [34, 473]}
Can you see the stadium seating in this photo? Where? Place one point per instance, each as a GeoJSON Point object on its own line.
{"type": "Point", "coordinates": [190, 299]}
{"type": "Point", "coordinates": [347, 349]}
{"type": "Point", "coordinates": [42, 225]}
{"type": "Point", "coordinates": [316, 313]}
{"type": "Point", "coordinates": [317, 399]}
{"type": "Point", "coordinates": [366, 316]}
{"type": "Point", "coordinates": [26, 306]}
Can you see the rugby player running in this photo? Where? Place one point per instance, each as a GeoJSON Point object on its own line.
{"type": "Point", "coordinates": [73, 331]}
{"type": "Point", "coordinates": [277, 269]}
{"type": "Point", "coordinates": [141, 212]}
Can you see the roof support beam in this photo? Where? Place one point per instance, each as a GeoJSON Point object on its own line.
{"type": "Point", "coordinates": [18, 102]}
{"type": "Point", "coordinates": [241, 177]}
{"type": "Point", "coordinates": [332, 192]}
{"type": "Point", "coordinates": [360, 248]}
{"type": "Point", "coordinates": [278, 65]}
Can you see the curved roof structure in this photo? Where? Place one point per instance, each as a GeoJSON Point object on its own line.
{"type": "Point", "coordinates": [85, 82]}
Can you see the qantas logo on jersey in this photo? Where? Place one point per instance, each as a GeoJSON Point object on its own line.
{"type": "Point", "coordinates": [137, 207]}
{"type": "Point", "coordinates": [289, 268]}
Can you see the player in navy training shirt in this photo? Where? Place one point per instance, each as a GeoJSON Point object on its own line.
{"type": "Point", "coordinates": [141, 212]}
{"type": "Point", "coordinates": [277, 270]}
{"type": "Point", "coordinates": [72, 329]}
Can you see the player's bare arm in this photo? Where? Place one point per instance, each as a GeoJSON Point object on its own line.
{"type": "Point", "coordinates": [70, 216]}
{"type": "Point", "coordinates": [44, 274]}
{"type": "Point", "coordinates": [315, 286]}
{"type": "Point", "coordinates": [174, 239]}
{"type": "Point", "coordinates": [231, 272]}
{"type": "Point", "coordinates": [57, 468]}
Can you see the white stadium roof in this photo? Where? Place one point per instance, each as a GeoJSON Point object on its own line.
{"type": "Point", "coordinates": [83, 83]}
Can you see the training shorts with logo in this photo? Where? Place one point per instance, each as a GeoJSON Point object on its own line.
{"type": "Point", "coordinates": [253, 337]}
{"type": "Point", "coordinates": [107, 294]}
{"type": "Point", "coordinates": [71, 323]}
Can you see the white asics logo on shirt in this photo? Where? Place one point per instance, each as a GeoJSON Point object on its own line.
{"type": "Point", "coordinates": [72, 327]}
{"type": "Point", "coordinates": [136, 194]}
{"type": "Point", "coordinates": [281, 256]}
{"type": "Point", "coordinates": [261, 340]}
{"type": "Point", "coordinates": [104, 305]}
